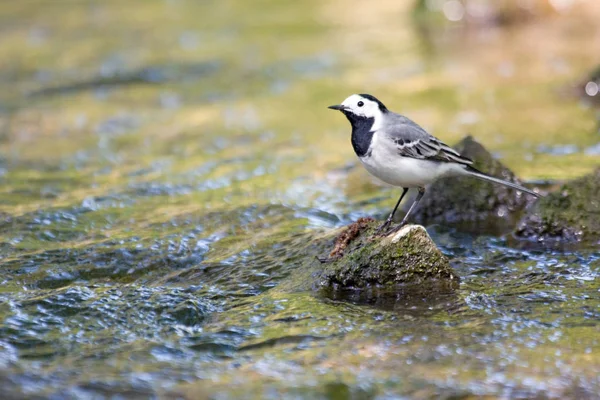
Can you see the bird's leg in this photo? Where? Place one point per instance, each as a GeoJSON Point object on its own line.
{"type": "Point", "coordinates": [412, 207]}
{"type": "Point", "coordinates": [388, 221]}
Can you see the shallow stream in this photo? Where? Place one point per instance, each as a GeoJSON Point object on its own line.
{"type": "Point", "coordinates": [167, 165]}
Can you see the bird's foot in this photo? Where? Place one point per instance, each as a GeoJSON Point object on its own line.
{"type": "Point", "coordinates": [396, 228]}
{"type": "Point", "coordinates": [382, 229]}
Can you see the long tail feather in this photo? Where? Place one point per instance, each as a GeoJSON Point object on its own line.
{"type": "Point", "coordinates": [480, 175]}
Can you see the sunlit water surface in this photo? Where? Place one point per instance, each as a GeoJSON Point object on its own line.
{"type": "Point", "coordinates": [167, 166]}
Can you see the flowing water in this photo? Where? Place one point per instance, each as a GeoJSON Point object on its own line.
{"type": "Point", "coordinates": [167, 167]}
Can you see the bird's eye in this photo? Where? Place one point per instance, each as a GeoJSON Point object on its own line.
{"type": "Point", "coordinates": [360, 104]}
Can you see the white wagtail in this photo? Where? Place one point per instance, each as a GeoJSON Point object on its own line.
{"type": "Point", "coordinates": [401, 153]}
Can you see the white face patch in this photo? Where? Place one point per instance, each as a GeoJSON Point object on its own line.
{"type": "Point", "coordinates": [362, 107]}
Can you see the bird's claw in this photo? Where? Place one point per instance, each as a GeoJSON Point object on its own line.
{"type": "Point", "coordinates": [382, 229]}
{"type": "Point", "coordinates": [396, 228]}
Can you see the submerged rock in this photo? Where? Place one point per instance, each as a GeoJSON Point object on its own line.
{"type": "Point", "coordinates": [466, 199]}
{"type": "Point", "coordinates": [571, 214]}
{"type": "Point", "coordinates": [361, 260]}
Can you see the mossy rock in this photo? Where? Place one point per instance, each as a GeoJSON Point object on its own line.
{"type": "Point", "coordinates": [571, 214]}
{"type": "Point", "coordinates": [466, 199]}
{"type": "Point", "coordinates": [406, 257]}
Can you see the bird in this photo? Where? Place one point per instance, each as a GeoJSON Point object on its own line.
{"type": "Point", "coordinates": [398, 151]}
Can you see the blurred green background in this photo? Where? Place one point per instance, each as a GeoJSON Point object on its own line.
{"type": "Point", "coordinates": [165, 163]}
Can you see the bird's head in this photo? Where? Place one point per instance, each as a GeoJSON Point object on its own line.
{"type": "Point", "coordinates": [360, 106]}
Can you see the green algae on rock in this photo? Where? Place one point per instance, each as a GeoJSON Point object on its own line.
{"type": "Point", "coordinates": [570, 214]}
{"type": "Point", "coordinates": [405, 257]}
{"type": "Point", "coordinates": [466, 199]}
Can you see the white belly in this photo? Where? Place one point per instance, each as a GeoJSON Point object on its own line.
{"type": "Point", "coordinates": [405, 171]}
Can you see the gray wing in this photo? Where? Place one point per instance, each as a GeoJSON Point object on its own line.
{"type": "Point", "coordinates": [413, 141]}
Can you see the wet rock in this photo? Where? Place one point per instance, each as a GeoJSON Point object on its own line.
{"type": "Point", "coordinates": [466, 199]}
{"type": "Point", "coordinates": [406, 257]}
{"type": "Point", "coordinates": [571, 214]}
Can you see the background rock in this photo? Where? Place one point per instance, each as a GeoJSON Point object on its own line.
{"type": "Point", "coordinates": [567, 215]}
{"type": "Point", "coordinates": [466, 199]}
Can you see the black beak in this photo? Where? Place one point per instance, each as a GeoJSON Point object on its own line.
{"type": "Point", "coordinates": [338, 107]}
